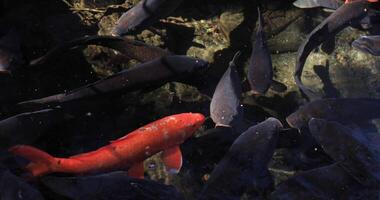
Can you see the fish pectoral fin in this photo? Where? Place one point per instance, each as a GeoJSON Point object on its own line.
{"type": "Point", "coordinates": [136, 170]}
{"type": "Point", "coordinates": [172, 159]}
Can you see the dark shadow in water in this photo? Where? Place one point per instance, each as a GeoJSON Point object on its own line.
{"type": "Point", "coordinates": [183, 38]}
{"type": "Point", "coordinates": [328, 86]}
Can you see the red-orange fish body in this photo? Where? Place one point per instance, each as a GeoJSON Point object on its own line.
{"type": "Point", "coordinates": [129, 151]}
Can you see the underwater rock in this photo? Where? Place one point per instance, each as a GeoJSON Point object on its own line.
{"type": "Point", "coordinates": [111, 186]}
{"type": "Point", "coordinates": [351, 149]}
{"type": "Point", "coordinates": [245, 166]}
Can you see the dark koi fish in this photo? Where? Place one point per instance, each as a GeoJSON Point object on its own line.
{"type": "Point", "coordinates": [368, 44]}
{"type": "Point", "coordinates": [344, 110]}
{"type": "Point", "coordinates": [144, 14]}
{"type": "Point", "coordinates": [225, 107]}
{"type": "Point", "coordinates": [351, 149]}
{"type": "Point", "coordinates": [146, 75]}
{"type": "Point", "coordinates": [245, 164]}
{"type": "Point", "coordinates": [127, 47]}
{"type": "Point", "coordinates": [260, 70]}
{"type": "Point", "coordinates": [346, 15]}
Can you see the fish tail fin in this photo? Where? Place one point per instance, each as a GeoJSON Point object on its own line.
{"type": "Point", "coordinates": [260, 19]}
{"type": "Point", "coordinates": [40, 162]}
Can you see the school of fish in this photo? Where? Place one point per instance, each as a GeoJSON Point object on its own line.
{"type": "Point", "coordinates": [333, 144]}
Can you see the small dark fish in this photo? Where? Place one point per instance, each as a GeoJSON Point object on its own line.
{"type": "Point", "coordinates": [225, 107]}
{"type": "Point", "coordinates": [25, 128]}
{"type": "Point", "coordinates": [144, 14]}
{"type": "Point", "coordinates": [329, 182]}
{"type": "Point", "coordinates": [110, 186]}
{"type": "Point", "coordinates": [368, 44]}
{"type": "Point", "coordinates": [351, 149]}
{"type": "Point", "coordinates": [344, 16]}
{"type": "Point", "coordinates": [330, 4]}
{"type": "Point", "coordinates": [246, 163]}
{"type": "Point", "coordinates": [14, 188]}
{"type": "Point", "coordinates": [10, 52]}
{"type": "Point", "coordinates": [260, 70]}
{"type": "Point", "coordinates": [344, 110]}
{"type": "Point", "coordinates": [146, 75]}
{"type": "Point", "coordinates": [129, 48]}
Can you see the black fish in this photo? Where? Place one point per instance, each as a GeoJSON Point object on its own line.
{"type": "Point", "coordinates": [25, 128]}
{"type": "Point", "coordinates": [329, 182]}
{"type": "Point", "coordinates": [344, 16]}
{"type": "Point", "coordinates": [146, 75]}
{"type": "Point", "coordinates": [10, 52]}
{"type": "Point", "coordinates": [225, 107]}
{"type": "Point", "coordinates": [129, 48]}
{"type": "Point", "coordinates": [330, 4]}
{"type": "Point", "coordinates": [260, 70]}
{"type": "Point", "coordinates": [144, 14]}
{"type": "Point", "coordinates": [110, 186]}
{"type": "Point", "coordinates": [246, 163]}
{"type": "Point", "coordinates": [14, 188]}
{"type": "Point", "coordinates": [368, 44]}
{"type": "Point", "coordinates": [344, 110]}
{"type": "Point", "coordinates": [351, 149]}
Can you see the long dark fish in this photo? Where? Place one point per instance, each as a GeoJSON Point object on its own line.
{"type": "Point", "coordinates": [144, 14]}
{"type": "Point", "coordinates": [25, 128]}
{"type": "Point", "coordinates": [344, 16]}
{"type": "Point", "coordinates": [110, 186]}
{"type": "Point", "coordinates": [260, 70]}
{"type": "Point", "coordinates": [328, 182]}
{"type": "Point", "coordinates": [351, 149]}
{"type": "Point", "coordinates": [331, 4]}
{"type": "Point", "coordinates": [368, 44]}
{"type": "Point", "coordinates": [10, 52]}
{"type": "Point", "coordinates": [225, 107]}
{"type": "Point", "coordinates": [14, 188]}
{"type": "Point", "coordinates": [146, 75]}
{"type": "Point", "coordinates": [246, 163]}
{"type": "Point", "coordinates": [130, 48]}
{"type": "Point", "coordinates": [344, 110]}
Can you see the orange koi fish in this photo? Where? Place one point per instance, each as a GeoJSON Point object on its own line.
{"type": "Point", "coordinates": [350, 1]}
{"type": "Point", "coordinates": [129, 151]}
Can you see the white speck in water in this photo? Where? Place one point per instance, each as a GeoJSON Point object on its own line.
{"type": "Point", "coordinates": [19, 194]}
{"type": "Point", "coordinates": [152, 166]}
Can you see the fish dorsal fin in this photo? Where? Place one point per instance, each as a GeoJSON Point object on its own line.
{"type": "Point", "coordinates": [136, 170]}
{"type": "Point", "coordinates": [84, 154]}
{"type": "Point", "coordinates": [172, 159]}
{"type": "Point", "coordinates": [125, 137]}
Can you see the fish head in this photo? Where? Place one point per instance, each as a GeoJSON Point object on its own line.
{"type": "Point", "coordinates": [183, 64]}
{"type": "Point", "coordinates": [183, 126]}
{"type": "Point", "coordinates": [297, 119]}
